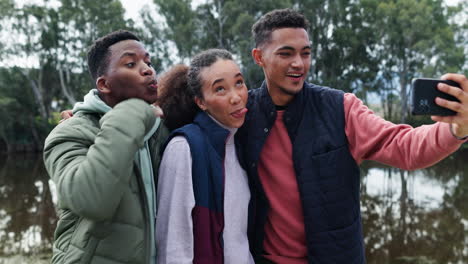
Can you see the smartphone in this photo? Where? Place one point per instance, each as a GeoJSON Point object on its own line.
{"type": "Point", "coordinates": [424, 92]}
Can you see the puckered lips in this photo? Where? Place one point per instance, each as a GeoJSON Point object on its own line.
{"type": "Point", "coordinates": [153, 84]}
{"type": "Point", "coordinates": [239, 113]}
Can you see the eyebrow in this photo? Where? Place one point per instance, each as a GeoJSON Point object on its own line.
{"type": "Point", "coordinates": [132, 54]}
{"type": "Point", "coordinates": [217, 81]}
{"type": "Point", "coordinates": [222, 79]}
{"type": "Point", "coordinates": [292, 48]}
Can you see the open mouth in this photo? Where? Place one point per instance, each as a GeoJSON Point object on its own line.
{"type": "Point", "coordinates": [295, 76]}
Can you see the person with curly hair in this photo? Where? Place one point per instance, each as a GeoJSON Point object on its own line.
{"type": "Point", "coordinates": [203, 193]}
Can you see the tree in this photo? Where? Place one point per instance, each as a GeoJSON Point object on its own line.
{"type": "Point", "coordinates": [56, 41]}
{"type": "Point", "coordinates": [415, 38]}
{"type": "Point", "coordinates": [342, 40]}
{"type": "Point", "coordinates": [79, 24]}
{"type": "Point", "coordinates": [181, 26]}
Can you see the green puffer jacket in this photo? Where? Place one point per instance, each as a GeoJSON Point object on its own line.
{"type": "Point", "coordinates": [101, 199]}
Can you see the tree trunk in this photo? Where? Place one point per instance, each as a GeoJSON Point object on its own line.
{"type": "Point", "coordinates": [65, 88]}
{"type": "Point", "coordinates": [221, 19]}
{"type": "Point", "coordinates": [403, 92]}
{"type": "Point", "coordinates": [38, 145]}
{"type": "Point", "coordinates": [37, 93]}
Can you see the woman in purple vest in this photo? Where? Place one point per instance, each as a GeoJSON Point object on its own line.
{"type": "Point", "coordinates": [203, 193]}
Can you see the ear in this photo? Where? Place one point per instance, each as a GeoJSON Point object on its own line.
{"type": "Point", "coordinates": [102, 85]}
{"type": "Point", "coordinates": [200, 103]}
{"type": "Point", "coordinates": [257, 56]}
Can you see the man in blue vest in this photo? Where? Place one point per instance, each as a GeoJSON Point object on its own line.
{"type": "Point", "coordinates": [301, 145]}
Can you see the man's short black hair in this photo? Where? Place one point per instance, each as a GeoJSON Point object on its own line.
{"type": "Point", "coordinates": [98, 54]}
{"type": "Point", "coordinates": [276, 19]}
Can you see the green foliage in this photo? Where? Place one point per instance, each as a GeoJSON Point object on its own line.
{"type": "Point", "coordinates": [342, 36]}
{"type": "Point", "coordinates": [19, 128]}
{"type": "Point", "coordinates": [359, 46]}
{"type": "Point", "coordinates": [57, 39]}
{"type": "Point", "coordinates": [415, 38]}
{"type": "Point", "coordinates": [181, 29]}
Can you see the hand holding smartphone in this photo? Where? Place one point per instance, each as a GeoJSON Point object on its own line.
{"type": "Point", "coordinates": [424, 92]}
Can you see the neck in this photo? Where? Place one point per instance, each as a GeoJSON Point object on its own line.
{"type": "Point", "coordinates": [106, 99]}
{"type": "Point", "coordinates": [279, 97]}
{"type": "Point", "coordinates": [282, 99]}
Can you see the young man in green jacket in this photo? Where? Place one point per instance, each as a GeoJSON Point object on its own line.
{"type": "Point", "coordinates": [103, 161]}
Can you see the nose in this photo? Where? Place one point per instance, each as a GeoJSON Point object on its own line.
{"type": "Point", "coordinates": [235, 98]}
{"type": "Point", "coordinates": [147, 70]}
{"type": "Point", "coordinates": [297, 62]}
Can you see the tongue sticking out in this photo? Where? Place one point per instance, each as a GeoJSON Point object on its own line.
{"type": "Point", "coordinates": [240, 113]}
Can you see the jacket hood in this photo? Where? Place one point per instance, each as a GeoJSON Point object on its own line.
{"type": "Point", "coordinates": [91, 104]}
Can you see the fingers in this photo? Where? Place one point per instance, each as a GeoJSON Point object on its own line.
{"type": "Point", "coordinates": [459, 78]}
{"type": "Point", "coordinates": [452, 105]}
{"type": "Point", "coordinates": [158, 111]}
{"type": "Point", "coordinates": [459, 121]}
{"type": "Point", "coordinates": [65, 115]}
{"type": "Point", "coordinates": [460, 94]}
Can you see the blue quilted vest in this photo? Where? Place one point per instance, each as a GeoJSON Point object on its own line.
{"type": "Point", "coordinates": [326, 173]}
{"type": "Point", "coordinates": [207, 147]}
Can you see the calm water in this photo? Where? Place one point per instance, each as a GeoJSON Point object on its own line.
{"type": "Point", "coordinates": [409, 217]}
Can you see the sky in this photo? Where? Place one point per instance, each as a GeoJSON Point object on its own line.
{"type": "Point", "coordinates": [132, 7]}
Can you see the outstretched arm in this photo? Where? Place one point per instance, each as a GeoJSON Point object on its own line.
{"type": "Point", "coordinates": [373, 138]}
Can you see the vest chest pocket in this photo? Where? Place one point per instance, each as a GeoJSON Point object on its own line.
{"type": "Point", "coordinates": [331, 169]}
{"type": "Point", "coordinates": [330, 189]}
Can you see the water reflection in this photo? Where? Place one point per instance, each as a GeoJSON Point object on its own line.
{"type": "Point", "coordinates": [409, 217]}
{"type": "Point", "coordinates": [419, 216]}
{"type": "Point", "coordinates": [27, 213]}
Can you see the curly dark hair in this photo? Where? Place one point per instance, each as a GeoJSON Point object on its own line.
{"type": "Point", "coordinates": [98, 53]}
{"type": "Point", "coordinates": [276, 19]}
{"type": "Point", "coordinates": [175, 98]}
{"type": "Point", "coordinates": [181, 84]}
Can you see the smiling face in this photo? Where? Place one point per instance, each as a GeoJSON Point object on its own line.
{"type": "Point", "coordinates": [285, 59]}
{"type": "Point", "coordinates": [224, 93]}
{"type": "Point", "coordinates": [129, 74]}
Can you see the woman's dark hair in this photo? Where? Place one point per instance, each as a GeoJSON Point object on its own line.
{"type": "Point", "coordinates": [179, 86]}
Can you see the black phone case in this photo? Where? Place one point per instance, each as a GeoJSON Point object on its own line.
{"type": "Point", "coordinates": [424, 92]}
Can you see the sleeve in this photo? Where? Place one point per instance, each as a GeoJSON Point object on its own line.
{"type": "Point", "coordinates": [373, 138]}
{"type": "Point", "coordinates": [92, 166]}
{"type": "Point", "coordinates": [175, 199]}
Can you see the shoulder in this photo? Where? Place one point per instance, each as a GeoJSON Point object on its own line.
{"type": "Point", "coordinates": [177, 146]}
{"type": "Point", "coordinates": [310, 88]}
{"type": "Point", "coordinates": [322, 95]}
{"type": "Point", "coordinates": [188, 131]}
{"type": "Point", "coordinates": [80, 126]}
{"type": "Point", "coordinates": [257, 93]}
